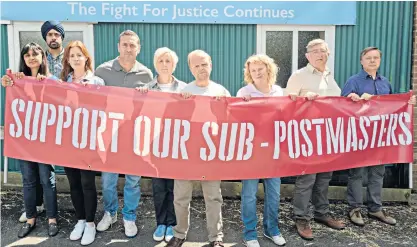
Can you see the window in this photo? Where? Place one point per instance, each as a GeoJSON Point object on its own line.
{"type": "Point", "coordinates": [286, 44]}
{"type": "Point", "coordinates": [21, 33]}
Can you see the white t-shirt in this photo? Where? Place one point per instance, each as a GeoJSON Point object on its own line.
{"type": "Point", "coordinates": [251, 90]}
{"type": "Point", "coordinates": [165, 87]}
{"type": "Point", "coordinates": [212, 89]}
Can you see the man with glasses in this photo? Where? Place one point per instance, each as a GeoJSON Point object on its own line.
{"type": "Point", "coordinates": [312, 81]}
{"type": "Point", "coordinates": [53, 33]}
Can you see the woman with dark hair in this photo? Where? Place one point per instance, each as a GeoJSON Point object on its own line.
{"type": "Point", "coordinates": [77, 68]}
{"type": "Point", "coordinates": [33, 63]}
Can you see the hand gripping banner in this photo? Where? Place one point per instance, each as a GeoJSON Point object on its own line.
{"type": "Point", "coordinates": [158, 134]}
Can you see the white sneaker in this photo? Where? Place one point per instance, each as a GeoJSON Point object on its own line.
{"type": "Point", "coordinates": [252, 243]}
{"type": "Point", "coordinates": [130, 228]}
{"type": "Point", "coordinates": [23, 218]}
{"type": "Point", "coordinates": [89, 234]}
{"type": "Point", "coordinates": [39, 210]}
{"type": "Point", "coordinates": [77, 233]}
{"type": "Point", "coordinates": [106, 222]}
{"type": "Point", "coordinates": [278, 239]}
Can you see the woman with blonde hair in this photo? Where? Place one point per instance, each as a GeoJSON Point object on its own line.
{"type": "Point", "coordinates": [260, 74]}
{"type": "Point", "coordinates": [165, 61]}
{"type": "Point", "coordinates": [77, 68]}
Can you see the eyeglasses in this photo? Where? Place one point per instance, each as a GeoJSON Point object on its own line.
{"type": "Point", "coordinates": [318, 51]}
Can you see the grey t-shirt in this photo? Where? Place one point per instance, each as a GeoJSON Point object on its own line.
{"type": "Point", "coordinates": [213, 89]}
{"type": "Point", "coordinates": [113, 74]}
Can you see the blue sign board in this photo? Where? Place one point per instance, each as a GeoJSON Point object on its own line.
{"type": "Point", "coordinates": [228, 12]}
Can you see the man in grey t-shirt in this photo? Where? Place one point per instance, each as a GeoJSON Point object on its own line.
{"type": "Point", "coordinates": [200, 66]}
{"type": "Point", "coordinates": [124, 71]}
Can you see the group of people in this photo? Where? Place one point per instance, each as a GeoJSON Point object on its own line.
{"type": "Point", "coordinates": [72, 64]}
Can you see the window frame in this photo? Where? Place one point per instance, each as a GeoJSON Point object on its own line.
{"type": "Point", "coordinates": [14, 28]}
{"type": "Point", "coordinates": [329, 36]}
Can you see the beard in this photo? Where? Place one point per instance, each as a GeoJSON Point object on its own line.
{"type": "Point", "coordinates": [54, 45]}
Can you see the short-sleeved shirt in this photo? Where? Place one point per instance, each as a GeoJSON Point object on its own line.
{"type": "Point", "coordinates": [364, 83]}
{"type": "Point", "coordinates": [251, 90]}
{"type": "Point", "coordinates": [212, 89]}
{"type": "Point", "coordinates": [309, 79]}
{"type": "Point", "coordinates": [113, 74]}
{"type": "Point", "coordinates": [90, 78]}
{"type": "Point", "coordinates": [174, 87]}
{"type": "Point", "coordinates": [55, 64]}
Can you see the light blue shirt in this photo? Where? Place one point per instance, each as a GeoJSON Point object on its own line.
{"type": "Point", "coordinates": [90, 78]}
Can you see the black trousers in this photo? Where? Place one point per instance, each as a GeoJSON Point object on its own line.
{"type": "Point", "coordinates": [83, 192]}
{"type": "Point", "coordinates": [163, 197]}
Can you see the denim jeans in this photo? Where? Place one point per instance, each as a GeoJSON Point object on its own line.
{"type": "Point", "coordinates": [31, 172]}
{"type": "Point", "coordinates": [131, 194]}
{"type": "Point", "coordinates": [272, 187]}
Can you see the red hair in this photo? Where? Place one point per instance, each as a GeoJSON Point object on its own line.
{"type": "Point", "coordinates": [66, 67]}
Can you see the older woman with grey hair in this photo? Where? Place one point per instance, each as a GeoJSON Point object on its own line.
{"type": "Point", "coordinates": [165, 62]}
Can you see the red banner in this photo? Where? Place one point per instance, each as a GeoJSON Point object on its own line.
{"type": "Point", "coordinates": [163, 135]}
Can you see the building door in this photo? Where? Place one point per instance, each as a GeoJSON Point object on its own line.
{"type": "Point", "coordinates": [286, 44]}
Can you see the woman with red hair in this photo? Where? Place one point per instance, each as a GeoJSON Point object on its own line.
{"type": "Point", "coordinates": [77, 68]}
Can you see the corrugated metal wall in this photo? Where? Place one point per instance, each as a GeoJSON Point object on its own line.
{"type": "Point", "coordinates": [386, 25]}
{"type": "Point", "coordinates": [228, 45]}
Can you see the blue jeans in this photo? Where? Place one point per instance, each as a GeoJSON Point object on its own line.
{"type": "Point", "coordinates": [32, 172]}
{"type": "Point", "coordinates": [131, 194]}
{"type": "Point", "coordinates": [272, 187]}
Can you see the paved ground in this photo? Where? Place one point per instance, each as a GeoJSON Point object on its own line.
{"type": "Point", "coordinates": [373, 234]}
